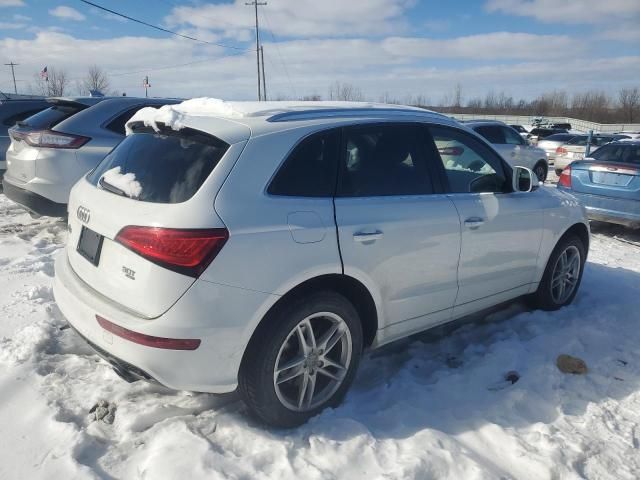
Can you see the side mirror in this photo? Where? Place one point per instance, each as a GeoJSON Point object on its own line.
{"type": "Point", "coordinates": [524, 180]}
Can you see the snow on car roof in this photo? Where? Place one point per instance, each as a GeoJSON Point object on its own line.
{"type": "Point", "coordinates": [250, 113]}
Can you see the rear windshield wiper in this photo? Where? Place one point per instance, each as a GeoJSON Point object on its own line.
{"type": "Point", "coordinates": [112, 188]}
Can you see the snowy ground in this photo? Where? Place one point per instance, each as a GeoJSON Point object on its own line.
{"type": "Point", "coordinates": [423, 408]}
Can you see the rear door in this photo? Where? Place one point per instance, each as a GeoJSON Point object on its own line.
{"type": "Point", "coordinates": [397, 234]}
{"type": "Point", "coordinates": [151, 180]}
{"type": "Point", "coordinates": [501, 231]}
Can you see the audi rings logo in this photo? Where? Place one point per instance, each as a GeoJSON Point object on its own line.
{"type": "Point", "coordinates": [84, 214]}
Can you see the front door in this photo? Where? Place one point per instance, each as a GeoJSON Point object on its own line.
{"type": "Point", "coordinates": [396, 235]}
{"type": "Point", "coordinates": [501, 229]}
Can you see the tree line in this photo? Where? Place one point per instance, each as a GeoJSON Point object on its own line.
{"type": "Point", "coordinates": [592, 105]}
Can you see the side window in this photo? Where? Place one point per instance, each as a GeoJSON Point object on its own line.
{"type": "Point", "coordinates": [492, 133]}
{"type": "Point", "coordinates": [117, 124]}
{"type": "Point", "coordinates": [511, 136]}
{"type": "Point", "coordinates": [310, 169]}
{"type": "Point", "coordinates": [383, 160]}
{"type": "Point", "coordinates": [469, 165]}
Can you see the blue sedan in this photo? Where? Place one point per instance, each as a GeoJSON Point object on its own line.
{"type": "Point", "coordinates": [607, 183]}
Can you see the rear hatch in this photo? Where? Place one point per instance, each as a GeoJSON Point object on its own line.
{"type": "Point", "coordinates": [36, 132]}
{"type": "Point", "coordinates": [132, 220]}
{"type": "Point", "coordinates": [613, 172]}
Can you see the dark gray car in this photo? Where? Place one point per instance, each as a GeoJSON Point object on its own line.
{"type": "Point", "coordinates": [52, 150]}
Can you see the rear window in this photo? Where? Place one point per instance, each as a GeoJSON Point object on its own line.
{"type": "Point", "coordinates": [20, 116]}
{"type": "Point", "coordinates": [615, 152]}
{"type": "Point", "coordinates": [51, 116]}
{"type": "Point", "coordinates": [165, 167]}
{"type": "Point", "coordinates": [492, 133]}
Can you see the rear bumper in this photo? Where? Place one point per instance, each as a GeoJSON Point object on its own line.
{"type": "Point", "coordinates": [32, 201]}
{"type": "Point", "coordinates": [218, 315]}
{"type": "Point", "coordinates": [611, 210]}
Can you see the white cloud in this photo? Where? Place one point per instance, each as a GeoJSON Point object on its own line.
{"type": "Point", "coordinates": [12, 3]}
{"type": "Point", "coordinates": [11, 26]}
{"type": "Point", "coordinates": [67, 13]}
{"type": "Point", "coordinates": [568, 11]}
{"type": "Point", "coordinates": [398, 65]}
{"type": "Point", "coordinates": [300, 18]}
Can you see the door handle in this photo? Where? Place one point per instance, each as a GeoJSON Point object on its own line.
{"type": "Point", "coordinates": [513, 154]}
{"type": "Point", "coordinates": [367, 236]}
{"type": "Point", "coordinates": [473, 222]}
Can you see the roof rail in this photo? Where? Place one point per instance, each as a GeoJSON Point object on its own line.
{"type": "Point", "coordinates": [349, 112]}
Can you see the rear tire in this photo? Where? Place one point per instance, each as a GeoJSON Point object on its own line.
{"type": "Point", "coordinates": [294, 367]}
{"type": "Point", "coordinates": [562, 275]}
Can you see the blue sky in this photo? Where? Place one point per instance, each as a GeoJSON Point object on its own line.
{"type": "Point", "coordinates": [394, 47]}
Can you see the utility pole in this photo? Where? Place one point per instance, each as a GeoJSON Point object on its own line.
{"type": "Point", "coordinates": [255, 4]}
{"type": "Point", "coordinates": [264, 81]}
{"type": "Point", "coordinates": [13, 73]}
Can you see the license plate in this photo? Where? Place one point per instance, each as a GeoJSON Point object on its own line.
{"type": "Point", "coordinates": [90, 245]}
{"type": "Point", "coordinates": [613, 179]}
{"type": "Point", "coordinates": [578, 156]}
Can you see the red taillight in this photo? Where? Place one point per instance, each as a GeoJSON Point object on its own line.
{"type": "Point", "coordinates": [148, 340]}
{"type": "Point", "coordinates": [49, 138]}
{"type": "Point", "coordinates": [565, 177]}
{"type": "Point", "coordinates": [187, 251]}
{"type": "Point", "coordinates": [561, 151]}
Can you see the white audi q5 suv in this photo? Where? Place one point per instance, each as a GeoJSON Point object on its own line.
{"type": "Point", "coordinates": [262, 247]}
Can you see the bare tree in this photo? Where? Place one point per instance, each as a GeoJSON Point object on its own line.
{"type": "Point", "coordinates": [629, 99]}
{"type": "Point", "coordinates": [54, 85]}
{"type": "Point", "coordinates": [96, 79]}
{"type": "Point", "coordinates": [345, 92]}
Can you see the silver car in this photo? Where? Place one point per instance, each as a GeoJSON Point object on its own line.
{"type": "Point", "coordinates": [51, 150]}
{"type": "Point", "coordinates": [262, 247]}
{"type": "Point", "coordinates": [513, 148]}
{"type": "Point", "coordinates": [14, 109]}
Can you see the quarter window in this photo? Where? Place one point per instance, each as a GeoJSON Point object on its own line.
{"type": "Point", "coordinates": [310, 169]}
{"type": "Point", "coordinates": [469, 165]}
{"type": "Point", "coordinates": [383, 160]}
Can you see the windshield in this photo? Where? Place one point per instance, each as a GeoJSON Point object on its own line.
{"type": "Point", "coordinates": [165, 167]}
{"type": "Point", "coordinates": [617, 152]}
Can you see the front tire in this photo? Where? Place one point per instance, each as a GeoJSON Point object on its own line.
{"type": "Point", "coordinates": [562, 275]}
{"type": "Point", "coordinates": [301, 359]}
{"type": "Point", "coordinates": [541, 171]}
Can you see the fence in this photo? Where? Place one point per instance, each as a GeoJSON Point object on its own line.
{"type": "Point", "coordinates": [576, 123]}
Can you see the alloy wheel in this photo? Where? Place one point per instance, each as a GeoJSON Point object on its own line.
{"type": "Point", "coordinates": [566, 274]}
{"type": "Point", "coordinates": [312, 361]}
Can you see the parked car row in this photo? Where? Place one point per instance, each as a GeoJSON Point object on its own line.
{"type": "Point", "coordinates": [51, 150]}
{"type": "Point", "coordinates": [262, 247]}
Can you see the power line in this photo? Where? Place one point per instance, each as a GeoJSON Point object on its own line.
{"type": "Point", "coordinates": [141, 22]}
{"type": "Point", "coordinates": [284, 64]}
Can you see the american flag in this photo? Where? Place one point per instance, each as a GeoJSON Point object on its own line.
{"type": "Point", "coordinates": [44, 74]}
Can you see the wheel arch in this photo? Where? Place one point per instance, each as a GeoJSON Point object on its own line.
{"type": "Point", "coordinates": [580, 230]}
{"type": "Point", "coordinates": [352, 289]}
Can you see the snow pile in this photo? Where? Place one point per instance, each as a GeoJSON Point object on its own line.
{"type": "Point", "coordinates": [173, 115]}
{"type": "Point", "coordinates": [440, 405]}
{"type": "Point", "coordinates": [126, 182]}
